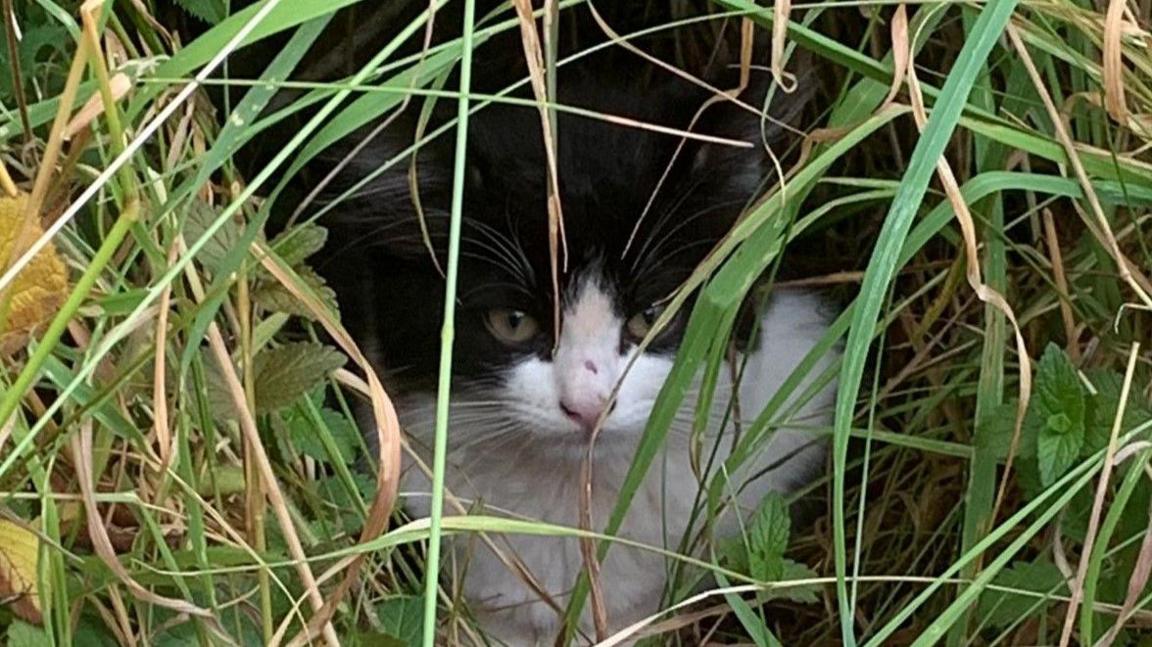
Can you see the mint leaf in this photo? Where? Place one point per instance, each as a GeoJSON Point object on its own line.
{"type": "Point", "coordinates": [273, 296]}
{"type": "Point", "coordinates": [768, 533]}
{"type": "Point", "coordinates": [994, 433]}
{"type": "Point", "coordinates": [401, 618]}
{"type": "Point", "coordinates": [306, 437]}
{"type": "Point", "coordinates": [288, 372]}
{"type": "Point", "coordinates": [1058, 407]}
{"type": "Point", "coordinates": [200, 217]}
{"type": "Point", "coordinates": [803, 594]}
{"type": "Point", "coordinates": [1103, 406]}
{"type": "Point", "coordinates": [296, 245]}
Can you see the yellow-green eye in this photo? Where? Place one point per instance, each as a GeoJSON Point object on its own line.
{"type": "Point", "coordinates": [511, 326]}
{"type": "Point", "coordinates": [641, 323]}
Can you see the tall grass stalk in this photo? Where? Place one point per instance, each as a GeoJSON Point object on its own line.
{"type": "Point", "coordinates": [882, 267]}
{"type": "Point", "coordinates": [447, 334]}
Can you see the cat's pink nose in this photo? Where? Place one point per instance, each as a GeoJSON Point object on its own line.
{"type": "Point", "coordinates": [584, 412]}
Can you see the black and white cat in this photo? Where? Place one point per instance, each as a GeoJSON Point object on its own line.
{"type": "Point", "coordinates": [523, 403]}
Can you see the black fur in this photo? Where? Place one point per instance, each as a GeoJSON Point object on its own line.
{"type": "Point", "coordinates": [391, 291]}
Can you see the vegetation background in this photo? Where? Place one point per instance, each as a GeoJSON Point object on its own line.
{"type": "Point", "coordinates": [178, 464]}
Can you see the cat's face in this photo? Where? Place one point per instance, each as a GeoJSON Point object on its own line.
{"type": "Point", "coordinates": [639, 216]}
{"type": "Point", "coordinates": [561, 393]}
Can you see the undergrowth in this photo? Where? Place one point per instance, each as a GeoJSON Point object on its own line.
{"type": "Point", "coordinates": [178, 460]}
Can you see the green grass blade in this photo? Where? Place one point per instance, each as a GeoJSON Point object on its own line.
{"type": "Point", "coordinates": [882, 266]}
{"type": "Point", "coordinates": [979, 498]}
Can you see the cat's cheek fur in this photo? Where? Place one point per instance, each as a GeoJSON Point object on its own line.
{"type": "Point", "coordinates": [535, 476]}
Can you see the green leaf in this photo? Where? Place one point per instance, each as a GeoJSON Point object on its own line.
{"type": "Point", "coordinates": [401, 618]}
{"type": "Point", "coordinates": [1058, 408]}
{"type": "Point", "coordinates": [225, 480]}
{"type": "Point", "coordinates": [200, 217]}
{"type": "Point", "coordinates": [296, 245]}
{"type": "Point", "coordinates": [996, 429]}
{"type": "Point", "coordinates": [306, 436]}
{"type": "Point", "coordinates": [765, 541]}
{"type": "Point", "coordinates": [216, 393]}
{"type": "Point", "coordinates": [1000, 609]}
{"type": "Point", "coordinates": [1102, 408]}
{"type": "Point", "coordinates": [285, 373]}
{"type": "Point", "coordinates": [347, 505]}
{"type": "Point", "coordinates": [806, 594]}
{"type": "Point", "coordinates": [22, 633]}
{"type": "Point", "coordinates": [91, 631]}
{"type": "Point", "coordinates": [273, 296]}
{"type": "Point", "coordinates": [210, 11]}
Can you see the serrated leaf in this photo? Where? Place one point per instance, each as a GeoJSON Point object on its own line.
{"type": "Point", "coordinates": [296, 245]}
{"type": "Point", "coordinates": [767, 538]}
{"type": "Point", "coordinates": [806, 594]}
{"type": "Point", "coordinates": [40, 287]}
{"type": "Point", "coordinates": [200, 217]}
{"type": "Point", "coordinates": [348, 505]}
{"type": "Point", "coordinates": [996, 429]}
{"type": "Point", "coordinates": [219, 400]}
{"type": "Point", "coordinates": [998, 609]}
{"type": "Point", "coordinates": [306, 436]}
{"type": "Point", "coordinates": [19, 562]}
{"type": "Point", "coordinates": [1103, 406]}
{"type": "Point", "coordinates": [275, 297]}
{"type": "Point", "coordinates": [1058, 408]}
{"type": "Point", "coordinates": [401, 618]}
{"type": "Point", "coordinates": [285, 373]}
{"type": "Point", "coordinates": [210, 11]}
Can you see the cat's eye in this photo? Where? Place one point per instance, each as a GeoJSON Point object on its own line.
{"type": "Point", "coordinates": [511, 326]}
{"type": "Point", "coordinates": [641, 323]}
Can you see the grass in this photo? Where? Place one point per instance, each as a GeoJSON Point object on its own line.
{"type": "Point", "coordinates": [181, 460]}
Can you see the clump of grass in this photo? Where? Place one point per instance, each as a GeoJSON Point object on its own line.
{"type": "Point", "coordinates": [178, 460]}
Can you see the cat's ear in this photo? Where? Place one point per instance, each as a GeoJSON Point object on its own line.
{"type": "Point", "coordinates": [772, 130]}
{"type": "Point", "coordinates": [384, 199]}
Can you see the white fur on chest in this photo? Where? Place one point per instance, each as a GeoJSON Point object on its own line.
{"type": "Point", "coordinates": [537, 476]}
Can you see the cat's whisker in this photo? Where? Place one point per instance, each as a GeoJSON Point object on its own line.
{"type": "Point", "coordinates": [668, 213]}
{"type": "Point", "coordinates": [512, 287]}
{"type": "Point", "coordinates": [357, 241]}
{"type": "Point", "coordinates": [510, 249]}
{"type": "Point", "coordinates": [497, 257]}
{"type": "Point", "coordinates": [656, 249]}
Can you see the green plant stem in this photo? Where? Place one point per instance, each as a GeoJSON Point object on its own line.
{"type": "Point", "coordinates": [111, 111]}
{"type": "Point", "coordinates": [55, 330]}
{"type": "Point", "coordinates": [447, 334]}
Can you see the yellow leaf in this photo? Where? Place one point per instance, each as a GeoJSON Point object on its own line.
{"type": "Point", "coordinates": [39, 289]}
{"type": "Point", "coordinates": [19, 557]}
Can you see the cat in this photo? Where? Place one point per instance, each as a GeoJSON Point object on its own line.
{"type": "Point", "coordinates": [524, 402]}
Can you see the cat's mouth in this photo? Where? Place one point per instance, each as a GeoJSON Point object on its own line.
{"type": "Point", "coordinates": [579, 436]}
